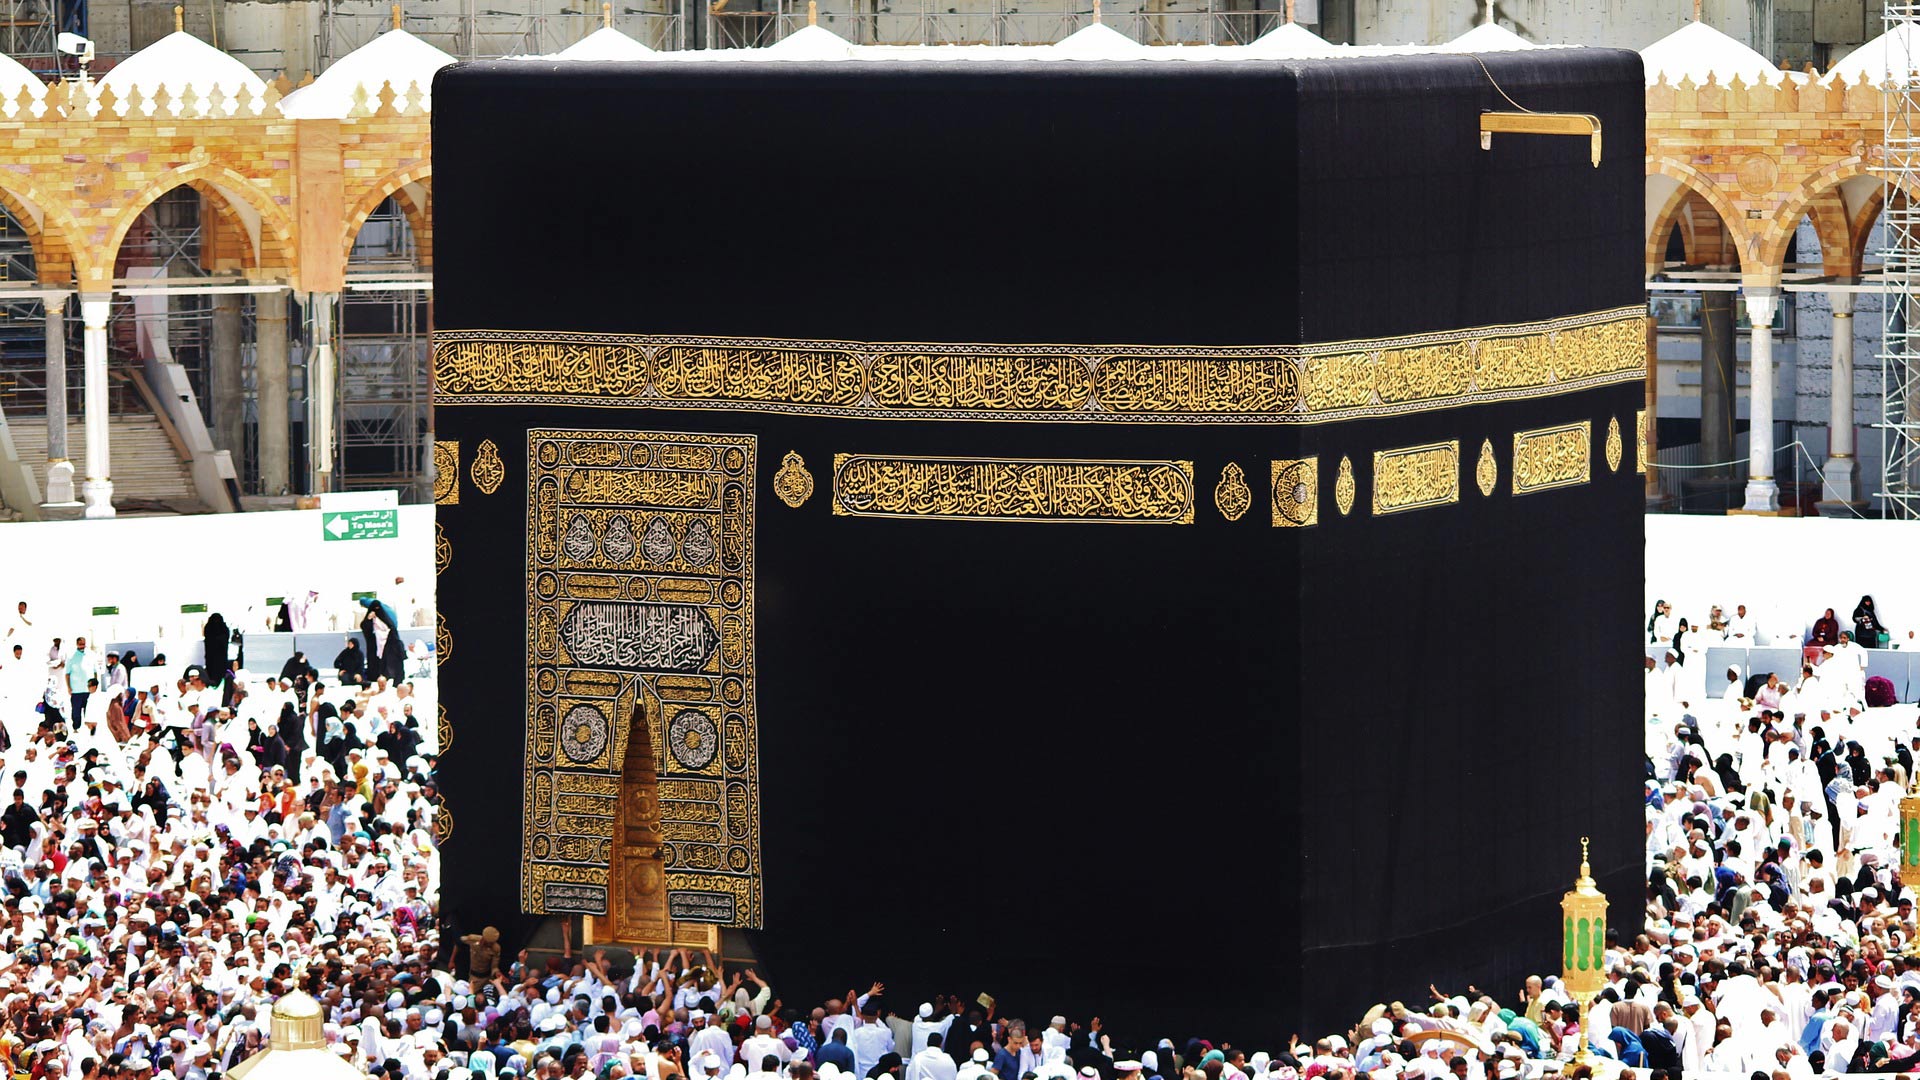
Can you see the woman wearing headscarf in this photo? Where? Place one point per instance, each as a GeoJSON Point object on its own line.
{"type": "Point", "coordinates": [393, 660]}
{"type": "Point", "coordinates": [1660, 624]}
{"type": "Point", "coordinates": [1729, 776]}
{"type": "Point", "coordinates": [293, 735]}
{"type": "Point", "coordinates": [1866, 625]}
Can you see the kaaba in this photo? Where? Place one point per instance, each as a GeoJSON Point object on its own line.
{"type": "Point", "coordinates": [1156, 540]}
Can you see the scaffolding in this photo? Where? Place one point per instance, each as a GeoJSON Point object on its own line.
{"type": "Point", "coordinates": [486, 34]}
{"type": "Point", "coordinates": [30, 31]}
{"type": "Point", "coordinates": [1900, 375]}
{"type": "Point", "coordinates": [381, 345]}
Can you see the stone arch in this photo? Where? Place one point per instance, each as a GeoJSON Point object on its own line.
{"type": "Point", "coordinates": [1693, 185]}
{"type": "Point", "coordinates": [396, 184]}
{"type": "Point", "coordinates": [272, 232]}
{"type": "Point", "coordinates": [1804, 201]}
{"type": "Point", "coordinates": [50, 229]}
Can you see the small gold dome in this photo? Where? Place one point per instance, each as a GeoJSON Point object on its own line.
{"type": "Point", "coordinates": [297, 1024]}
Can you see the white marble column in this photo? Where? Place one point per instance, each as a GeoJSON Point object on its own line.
{"type": "Point", "coordinates": [1842, 468]}
{"type": "Point", "coordinates": [59, 491]}
{"type": "Point", "coordinates": [97, 489]}
{"type": "Point", "coordinates": [1763, 495]}
{"type": "Point", "coordinates": [320, 392]}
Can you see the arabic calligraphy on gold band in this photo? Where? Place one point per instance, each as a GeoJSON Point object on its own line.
{"type": "Point", "coordinates": [1084, 383]}
{"type": "Point", "coordinates": [1554, 457]}
{"type": "Point", "coordinates": [1416, 476]}
{"type": "Point", "coordinates": [983, 489]}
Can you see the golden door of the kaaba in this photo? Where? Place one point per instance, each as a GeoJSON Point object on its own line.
{"type": "Point", "coordinates": [637, 897]}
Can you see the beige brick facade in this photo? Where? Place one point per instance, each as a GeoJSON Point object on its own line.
{"type": "Point", "coordinates": [289, 195]}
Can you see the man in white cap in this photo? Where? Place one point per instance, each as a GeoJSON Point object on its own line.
{"type": "Point", "coordinates": [1056, 1035]}
{"type": "Point", "coordinates": [926, 1023]}
{"type": "Point", "coordinates": [761, 1044]}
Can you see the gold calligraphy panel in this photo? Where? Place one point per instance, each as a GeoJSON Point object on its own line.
{"type": "Point", "coordinates": [640, 610]}
{"type": "Point", "coordinates": [1554, 457]}
{"type": "Point", "coordinates": [985, 489]}
{"type": "Point", "coordinates": [1314, 383]}
{"type": "Point", "coordinates": [446, 472]}
{"type": "Point", "coordinates": [1416, 476]}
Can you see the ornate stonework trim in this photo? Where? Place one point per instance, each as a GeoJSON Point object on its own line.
{"type": "Point", "coordinates": [1014, 489]}
{"type": "Point", "coordinates": [1554, 457]}
{"type": "Point", "coordinates": [1294, 384]}
{"type": "Point", "coordinates": [1231, 496]}
{"type": "Point", "coordinates": [1296, 492]}
{"type": "Point", "coordinates": [446, 472]}
{"type": "Point", "coordinates": [1413, 477]}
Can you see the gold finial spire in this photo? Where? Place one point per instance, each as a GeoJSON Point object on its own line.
{"type": "Point", "coordinates": [179, 18]}
{"type": "Point", "coordinates": [1096, 12]}
{"type": "Point", "coordinates": [1696, 10]}
{"type": "Point", "coordinates": [1289, 12]}
{"type": "Point", "coordinates": [1585, 882]}
{"type": "Point", "coordinates": [396, 16]}
{"type": "Point", "coordinates": [813, 12]}
{"type": "Point", "coordinates": [606, 15]}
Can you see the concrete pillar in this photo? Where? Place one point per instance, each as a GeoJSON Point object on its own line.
{"type": "Point", "coordinates": [1763, 495]}
{"type": "Point", "coordinates": [97, 490]}
{"type": "Point", "coordinates": [321, 391]}
{"type": "Point", "coordinates": [228, 390]}
{"type": "Point", "coordinates": [271, 379]}
{"type": "Point", "coordinates": [1841, 479]}
{"type": "Point", "coordinates": [1716, 381]}
{"type": "Point", "coordinates": [59, 469]}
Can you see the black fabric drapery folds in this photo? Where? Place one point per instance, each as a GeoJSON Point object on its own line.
{"type": "Point", "coordinates": [1220, 778]}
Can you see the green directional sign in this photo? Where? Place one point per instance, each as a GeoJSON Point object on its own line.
{"type": "Point", "coordinates": [359, 524]}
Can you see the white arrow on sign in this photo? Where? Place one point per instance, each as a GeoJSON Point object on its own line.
{"type": "Point", "coordinates": [339, 526]}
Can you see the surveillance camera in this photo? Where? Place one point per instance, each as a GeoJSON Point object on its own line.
{"type": "Point", "coordinates": [75, 45]}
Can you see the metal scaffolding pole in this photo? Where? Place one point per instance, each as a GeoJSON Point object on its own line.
{"type": "Point", "coordinates": [1900, 383]}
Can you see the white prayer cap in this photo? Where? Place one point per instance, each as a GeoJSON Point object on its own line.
{"type": "Point", "coordinates": [763, 1023]}
{"type": "Point", "coordinates": [828, 1070]}
{"type": "Point", "coordinates": [1150, 1060]}
{"type": "Point", "coordinates": [1058, 1021]}
{"type": "Point", "coordinates": [1090, 1073]}
{"type": "Point", "coordinates": [926, 1010]}
{"type": "Point", "coordinates": [1382, 1027]}
{"type": "Point", "coordinates": [980, 1055]}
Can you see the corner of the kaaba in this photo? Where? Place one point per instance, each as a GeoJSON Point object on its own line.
{"type": "Point", "coordinates": [1182, 663]}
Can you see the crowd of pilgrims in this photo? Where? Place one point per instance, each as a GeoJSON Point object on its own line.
{"type": "Point", "coordinates": [180, 845]}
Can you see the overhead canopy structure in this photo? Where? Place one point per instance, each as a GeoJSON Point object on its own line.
{"type": "Point", "coordinates": [1887, 57]}
{"type": "Point", "coordinates": [1488, 37]}
{"type": "Point", "coordinates": [1097, 42]}
{"type": "Point", "coordinates": [1290, 40]}
{"type": "Point", "coordinates": [395, 58]}
{"type": "Point", "coordinates": [606, 43]}
{"type": "Point", "coordinates": [181, 62]}
{"type": "Point", "coordinates": [14, 78]}
{"type": "Point", "coordinates": [1699, 52]}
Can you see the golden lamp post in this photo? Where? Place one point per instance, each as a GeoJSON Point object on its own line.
{"type": "Point", "coordinates": [1910, 853]}
{"type": "Point", "coordinates": [1583, 945]}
